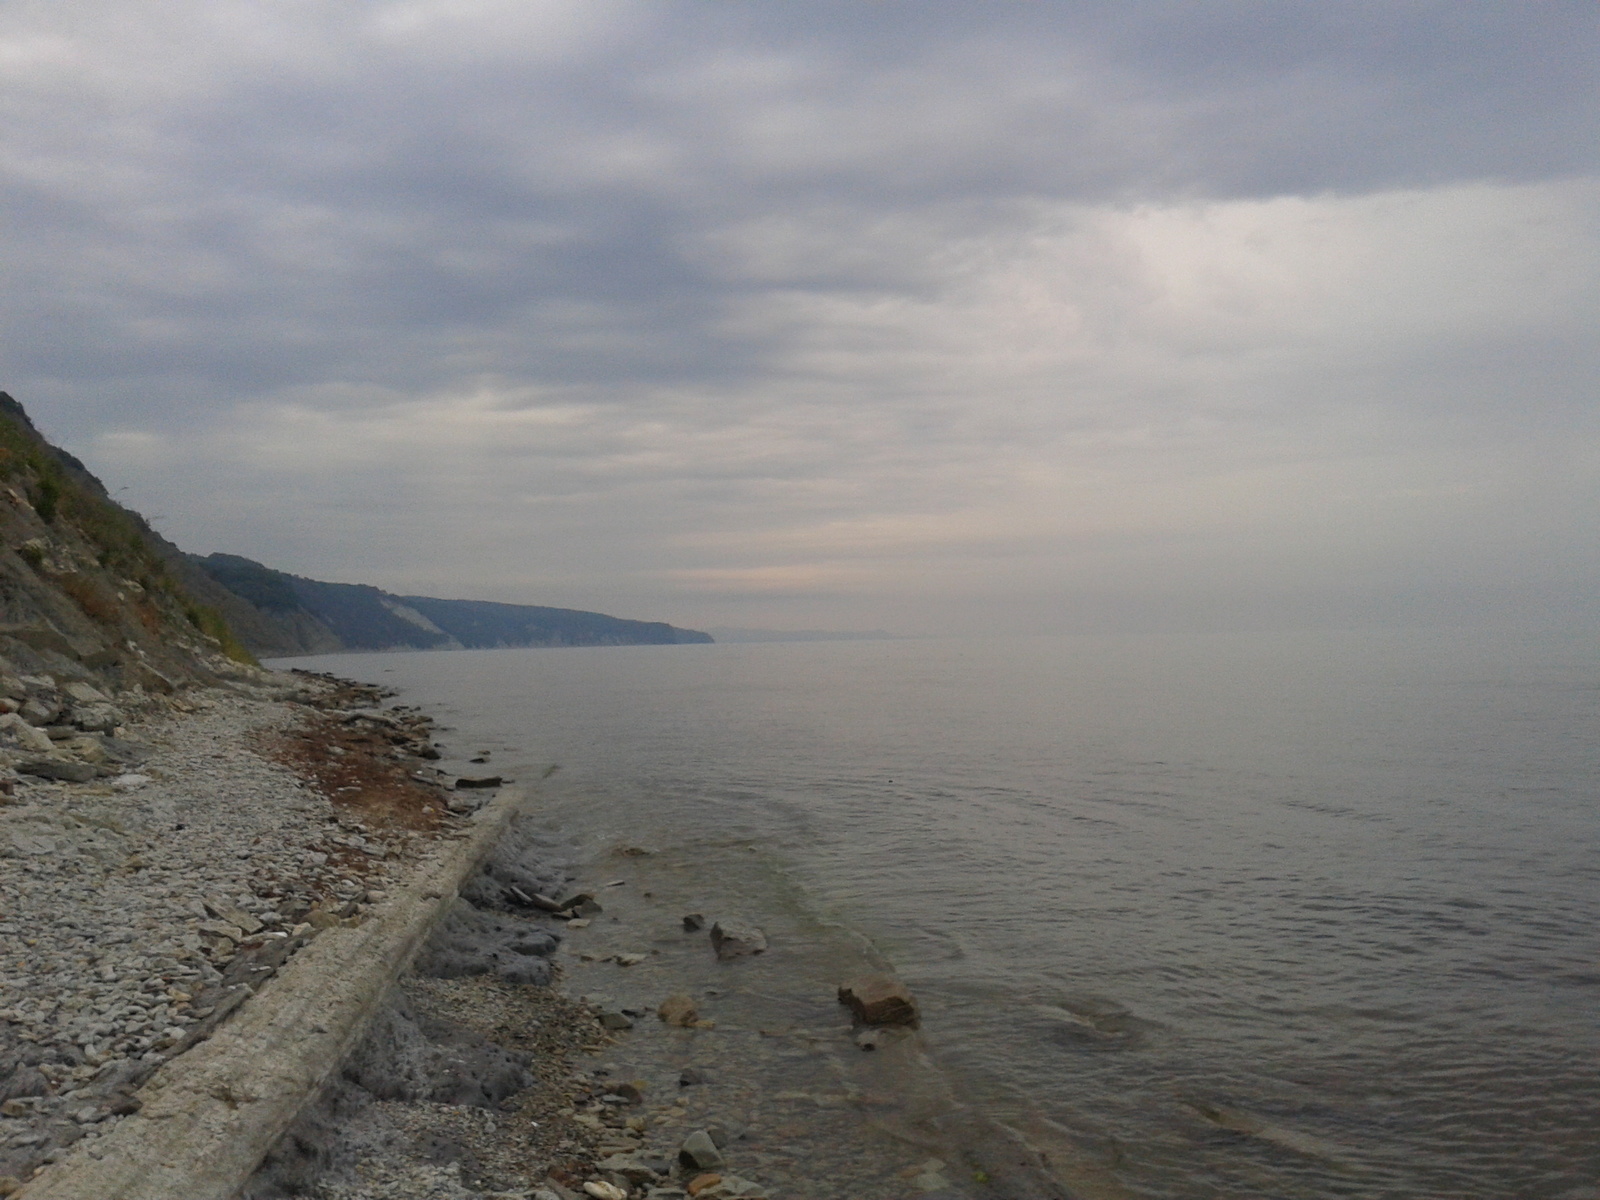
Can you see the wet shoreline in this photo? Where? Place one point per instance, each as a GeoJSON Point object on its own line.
{"type": "Point", "coordinates": [526, 1053]}
{"type": "Point", "coordinates": [769, 1067]}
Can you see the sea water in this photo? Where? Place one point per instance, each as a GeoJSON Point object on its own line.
{"type": "Point", "coordinates": [1251, 915]}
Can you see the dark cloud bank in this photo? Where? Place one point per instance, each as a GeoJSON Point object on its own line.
{"type": "Point", "coordinates": [933, 316]}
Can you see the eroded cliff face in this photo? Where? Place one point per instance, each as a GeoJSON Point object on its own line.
{"type": "Point", "coordinates": [95, 616]}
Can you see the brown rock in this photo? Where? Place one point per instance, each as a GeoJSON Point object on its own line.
{"type": "Point", "coordinates": [679, 1010]}
{"type": "Point", "coordinates": [701, 1182]}
{"type": "Point", "coordinates": [879, 1000]}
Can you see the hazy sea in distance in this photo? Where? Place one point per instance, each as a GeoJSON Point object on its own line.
{"type": "Point", "coordinates": [1225, 916]}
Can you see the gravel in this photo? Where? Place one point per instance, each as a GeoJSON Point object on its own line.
{"type": "Point", "coordinates": [136, 911]}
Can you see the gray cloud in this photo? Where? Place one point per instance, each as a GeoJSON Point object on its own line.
{"type": "Point", "coordinates": [864, 314]}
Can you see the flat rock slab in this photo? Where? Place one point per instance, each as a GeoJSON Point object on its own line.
{"type": "Point", "coordinates": [879, 1000]}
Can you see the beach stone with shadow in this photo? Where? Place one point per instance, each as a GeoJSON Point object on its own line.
{"type": "Point", "coordinates": [700, 1153]}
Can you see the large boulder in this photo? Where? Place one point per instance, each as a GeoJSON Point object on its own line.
{"type": "Point", "coordinates": [14, 729]}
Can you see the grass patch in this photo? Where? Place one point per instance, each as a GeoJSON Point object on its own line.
{"type": "Point", "coordinates": [209, 622]}
{"type": "Point", "coordinates": [91, 597]}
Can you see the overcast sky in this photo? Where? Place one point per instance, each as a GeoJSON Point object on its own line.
{"type": "Point", "coordinates": [934, 316]}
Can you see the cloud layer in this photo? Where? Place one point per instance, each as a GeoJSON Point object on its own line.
{"type": "Point", "coordinates": [927, 315]}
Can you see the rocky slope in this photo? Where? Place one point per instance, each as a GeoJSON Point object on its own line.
{"type": "Point", "coordinates": [100, 618]}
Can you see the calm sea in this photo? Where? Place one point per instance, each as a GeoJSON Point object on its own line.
{"type": "Point", "coordinates": [1275, 916]}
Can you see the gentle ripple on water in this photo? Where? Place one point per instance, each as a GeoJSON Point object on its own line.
{"type": "Point", "coordinates": [1272, 916]}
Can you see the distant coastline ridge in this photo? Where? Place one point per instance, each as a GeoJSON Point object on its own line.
{"type": "Point", "coordinates": [278, 615]}
{"type": "Point", "coordinates": [801, 635]}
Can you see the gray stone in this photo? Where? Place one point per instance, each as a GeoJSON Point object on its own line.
{"type": "Point", "coordinates": [97, 718]}
{"type": "Point", "coordinates": [83, 693]}
{"type": "Point", "coordinates": [700, 1153]}
{"type": "Point", "coordinates": [38, 711]}
{"type": "Point", "coordinates": [14, 728]}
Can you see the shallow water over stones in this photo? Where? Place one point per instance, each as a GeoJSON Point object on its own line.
{"type": "Point", "coordinates": [1257, 915]}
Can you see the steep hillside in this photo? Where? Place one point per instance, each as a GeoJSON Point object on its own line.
{"type": "Point", "coordinates": [87, 587]}
{"type": "Point", "coordinates": [294, 615]}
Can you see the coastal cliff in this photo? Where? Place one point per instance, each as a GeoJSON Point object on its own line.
{"type": "Point", "coordinates": [88, 591]}
{"type": "Point", "coordinates": [89, 582]}
{"type": "Point", "coordinates": [292, 615]}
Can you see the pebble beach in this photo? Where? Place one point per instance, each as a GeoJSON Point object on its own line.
{"type": "Point", "coordinates": [221, 831]}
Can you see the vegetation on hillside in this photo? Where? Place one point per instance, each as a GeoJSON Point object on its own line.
{"type": "Point", "coordinates": [83, 545]}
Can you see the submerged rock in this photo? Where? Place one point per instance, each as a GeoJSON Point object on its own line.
{"type": "Point", "coordinates": [679, 1010]}
{"type": "Point", "coordinates": [731, 1187]}
{"type": "Point", "coordinates": [733, 938]}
